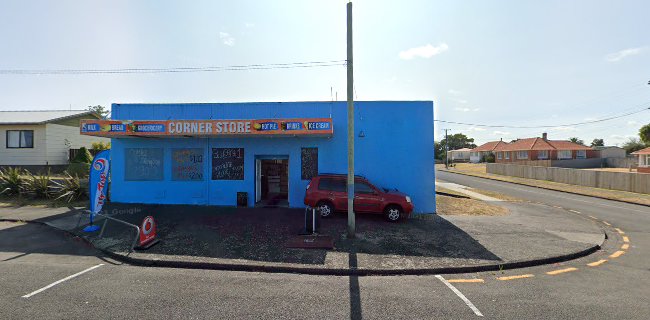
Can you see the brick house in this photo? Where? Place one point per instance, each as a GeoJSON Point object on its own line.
{"type": "Point", "coordinates": [542, 149]}
{"type": "Point", "coordinates": [644, 160]}
{"type": "Point", "coordinates": [482, 151]}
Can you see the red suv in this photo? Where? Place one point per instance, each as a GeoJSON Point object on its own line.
{"type": "Point", "coordinates": [328, 192]}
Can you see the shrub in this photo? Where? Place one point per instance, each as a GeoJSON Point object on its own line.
{"type": "Point", "coordinates": [490, 158]}
{"type": "Point", "coordinates": [39, 186]}
{"type": "Point", "coordinates": [79, 169]}
{"type": "Point", "coordinates": [100, 145]}
{"type": "Point", "coordinates": [69, 189]}
{"type": "Point", "coordinates": [11, 181]}
{"type": "Point", "coordinates": [83, 156]}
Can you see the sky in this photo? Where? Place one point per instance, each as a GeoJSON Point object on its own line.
{"type": "Point", "coordinates": [512, 63]}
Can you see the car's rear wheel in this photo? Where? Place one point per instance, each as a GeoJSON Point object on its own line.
{"type": "Point", "coordinates": [326, 209]}
{"type": "Point", "coordinates": [393, 213]}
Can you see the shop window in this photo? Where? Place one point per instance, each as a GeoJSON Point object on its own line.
{"type": "Point", "coordinates": [187, 164]}
{"type": "Point", "coordinates": [143, 164]}
{"type": "Point", "coordinates": [20, 138]}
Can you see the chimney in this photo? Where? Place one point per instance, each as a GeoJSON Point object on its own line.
{"type": "Point", "coordinates": [545, 136]}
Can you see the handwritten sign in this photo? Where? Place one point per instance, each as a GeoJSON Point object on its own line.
{"type": "Point", "coordinates": [187, 164]}
{"type": "Point", "coordinates": [143, 164]}
{"type": "Point", "coordinates": [227, 163]}
{"type": "Point", "coordinates": [309, 163]}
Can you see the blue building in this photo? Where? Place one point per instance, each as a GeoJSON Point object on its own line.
{"type": "Point", "coordinates": [197, 154]}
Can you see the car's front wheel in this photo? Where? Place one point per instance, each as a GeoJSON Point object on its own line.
{"type": "Point", "coordinates": [393, 213]}
{"type": "Point", "coordinates": [326, 209]}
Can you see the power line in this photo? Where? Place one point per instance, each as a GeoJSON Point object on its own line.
{"type": "Point", "coordinates": [545, 126]}
{"type": "Point", "coordinates": [291, 65]}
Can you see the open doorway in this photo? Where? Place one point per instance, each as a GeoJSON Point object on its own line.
{"type": "Point", "coordinates": [272, 182]}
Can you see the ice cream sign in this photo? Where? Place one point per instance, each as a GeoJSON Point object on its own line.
{"type": "Point", "coordinates": [286, 127]}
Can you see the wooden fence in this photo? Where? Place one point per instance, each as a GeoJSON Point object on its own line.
{"type": "Point", "coordinates": [624, 181]}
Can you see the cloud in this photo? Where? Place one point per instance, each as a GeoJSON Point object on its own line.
{"type": "Point", "coordinates": [227, 39]}
{"type": "Point", "coordinates": [475, 129]}
{"type": "Point", "coordinates": [461, 101]}
{"type": "Point", "coordinates": [501, 133]}
{"type": "Point", "coordinates": [427, 51]}
{"type": "Point", "coordinates": [632, 123]}
{"type": "Point", "coordinates": [467, 109]}
{"type": "Point", "coordinates": [249, 25]}
{"type": "Point", "coordinates": [454, 92]}
{"type": "Point", "coordinates": [620, 55]}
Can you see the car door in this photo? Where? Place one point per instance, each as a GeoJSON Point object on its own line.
{"type": "Point", "coordinates": [366, 198]}
{"type": "Point", "coordinates": [335, 191]}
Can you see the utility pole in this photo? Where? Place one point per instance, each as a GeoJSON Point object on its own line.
{"type": "Point", "coordinates": [351, 218]}
{"type": "Point", "coordinates": [446, 149]}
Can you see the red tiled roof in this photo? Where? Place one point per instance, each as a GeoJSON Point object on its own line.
{"type": "Point", "coordinates": [540, 144]}
{"type": "Point", "coordinates": [489, 146]}
{"type": "Point", "coordinates": [642, 151]}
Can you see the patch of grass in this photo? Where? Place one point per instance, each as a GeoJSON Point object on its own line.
{"type": "Point", "coordinates": [458, 206]}
{"type": "Point", "coordinates": [20, 201]}
{"type": "Point", "coordinates": [497, 195]}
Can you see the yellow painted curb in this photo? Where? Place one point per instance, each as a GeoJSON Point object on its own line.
{"type": "Point", "coordinates": [596, 263]}
{"type": "Point", "coordinates": [554, 272]}
{"type": "Point", "coordinates": [516, 277]}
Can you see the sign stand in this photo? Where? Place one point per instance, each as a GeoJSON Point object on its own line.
{"type": "Point", "coordinates": [92, 227]}
{"type": "Point", "coordinates": [147, 234]}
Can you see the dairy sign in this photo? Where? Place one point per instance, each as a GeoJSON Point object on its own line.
{"type": "Point", "coordinates": [257, 127]}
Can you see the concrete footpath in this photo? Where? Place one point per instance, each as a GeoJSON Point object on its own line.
{"type": "Point", "coordinates": [255, 239]}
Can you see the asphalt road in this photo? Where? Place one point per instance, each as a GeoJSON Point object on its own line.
{"type": "Point", "coordinates": [34, 257]}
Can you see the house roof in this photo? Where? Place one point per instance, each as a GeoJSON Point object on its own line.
{"type": "Point", "coordinates": [461, 150]}
{"type": "Point", "coordinates": [39, 116]}
{"type": "Point", "coordinates": [489, 146]}
{"type": "Point", "coordinates": [642, 151]}
{"type": "Point", "coordinates": [540, 144]}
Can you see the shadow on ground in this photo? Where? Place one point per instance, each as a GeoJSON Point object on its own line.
{"type": "Point", "coordinates": [260, 234]}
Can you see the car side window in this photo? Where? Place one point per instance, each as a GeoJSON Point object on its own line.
{"type": "Point", "coordinates": [360, 187]}
{"type": "Point", "coordinates": [337, 185]}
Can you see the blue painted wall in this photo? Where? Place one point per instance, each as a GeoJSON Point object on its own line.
{"type": "Point", "coordinates": [396, 152]}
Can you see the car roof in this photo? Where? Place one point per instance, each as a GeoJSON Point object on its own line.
{"type": "Point", "coordinates": [338, 175]}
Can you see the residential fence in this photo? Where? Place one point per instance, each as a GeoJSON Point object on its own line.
{"type": "Point", "coordinates": [623, 181]}
{"type": "Point", "coordinates": [622, 162]}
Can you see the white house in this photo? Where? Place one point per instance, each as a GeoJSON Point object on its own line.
{"type": "Point", "coordinates": [42, 139]}
{"type": "Point", "coordinates": [459, 154]}
{"type": "Point", "coordinates": [644, 160]}
{"type": "Point", "coordinates": [611, 152]}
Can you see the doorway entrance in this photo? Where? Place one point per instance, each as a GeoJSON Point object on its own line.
{"type": "Point", "coordinates": [272, 182]}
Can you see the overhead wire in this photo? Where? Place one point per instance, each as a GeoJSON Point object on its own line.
{"type": "Point", "coordinates": [291, 65]}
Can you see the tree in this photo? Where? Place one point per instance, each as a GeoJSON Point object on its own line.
{"type": "Point", "coordinates": [458, 141]}
{"type": "Point", "coordinates": [598, 143]}
{"type": "Point", "coordinates": [438, 150]}
{"type": "Point", "coordinates": [99, 110]}
{"type": "Point", "coordinates": [644, 134]}
{"type": "Point", "coordinates": [632, 145]}
{"type": "Point", "coordinates": [576, 140]}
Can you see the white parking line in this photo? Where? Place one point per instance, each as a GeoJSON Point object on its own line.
{"type": "Point", "coordinates": [62, 280]}
{"type": "Point", "coordinates": [460, 295]}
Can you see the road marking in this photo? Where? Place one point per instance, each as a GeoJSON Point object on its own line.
{"type": "Point", "coordinates": [617, 254]}
{"type": "Point", "coordinates": [466, 280]}
{"type": "Point", "coordinates": [593, 217]}
{"type": "Point", "coordinates": [62, 280]}
{"type": "Point", "coordinates": [515, 277]}
{"type": "Point", "coordinates": [607, 223]}
{"type": "Point", "coordinates": [460, 295]}
{"type": "Point", "coordinates": [619, 231]}
{"type": "Point", "coordinates": [626, 239]}
{"type": "Point", "coordinates": [597, 263]}
{"type": "Point", "coordinates": [557, 207]}
{"type": "Point", "coordinates": [625, 246]}
{"type": "Point", "coordinates": [574, 211]}
{"type": "Point", "coordinates": [554, 272]}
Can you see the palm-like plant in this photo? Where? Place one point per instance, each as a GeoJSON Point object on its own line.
{"type": "Point", "coordinates": [39, 186]}
{"type": "Point", "coordinates": [69, 189]}
{"type": "Point", "coordinates": [11, 181]}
